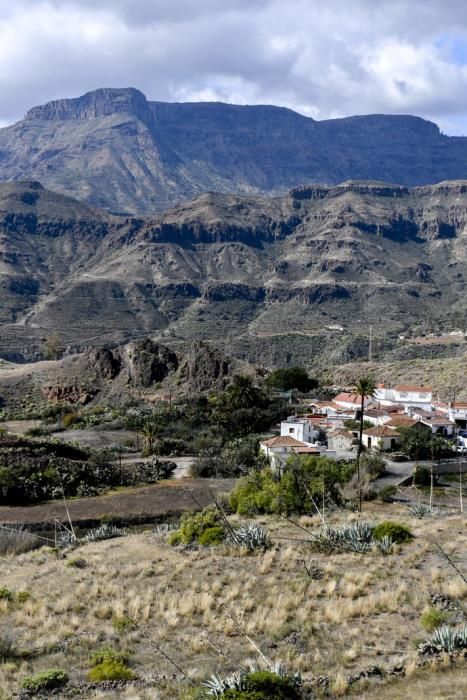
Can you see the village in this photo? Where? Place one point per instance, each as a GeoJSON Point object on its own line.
{"type": "Point", "coordinates": [331, 428]}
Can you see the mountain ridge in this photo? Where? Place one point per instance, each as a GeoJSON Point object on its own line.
{"type": "Point", "coordinates": [114, 149]}
{"type": "Point", "coordinates": [263, 277]}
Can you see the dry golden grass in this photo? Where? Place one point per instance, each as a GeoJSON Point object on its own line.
{"type": "Point", "coordinates": [364, 611]}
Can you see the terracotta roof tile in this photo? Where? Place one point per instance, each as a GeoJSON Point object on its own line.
{"type": "Point", "coordinates": [282, 441]}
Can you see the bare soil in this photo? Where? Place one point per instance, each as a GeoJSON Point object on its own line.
{"type": "Point", "coordinates": [139, 504]}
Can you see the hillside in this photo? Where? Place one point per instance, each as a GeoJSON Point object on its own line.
{"type": "Point", "coordinates": [351, 626]}
{"type": "Point", "coordinates": [268, 278]}
{"type": "Point", "coordinates": [115, 149]}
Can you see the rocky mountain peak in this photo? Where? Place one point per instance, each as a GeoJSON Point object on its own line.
{"type": "Point", "coordinates": [98, 103]}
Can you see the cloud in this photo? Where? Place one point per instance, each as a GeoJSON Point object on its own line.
{"type": "Point", "coordinates": [323, 59]}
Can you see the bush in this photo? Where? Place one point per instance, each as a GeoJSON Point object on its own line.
{"type": "Point", "coordinates": [395, 531]}
{"type": "Point", "coordinates": [432, 618]}
{"type": "Point", "coordinates": [256, 685]}
{"type": "Point", "coordinates": [387, 493]}
{"type": "Point", "coordinates": [111, 670]}
{"type": "Point", "coordinates": [204, 527]}
{"type": "Point", "coordinates": [6, 594]}
{"type": "Point", "coordinates": [295, 490]}
{"type": "Point", "coordinates": [421, 477]}
{"type": "Point", "coordinates": [106, 654]}
{"type": "Point", "coordinates": [121, 623]}
{"type": "Point", "coordinates": [45, 680]}
{"type": "Point", "coordinates": [78, 563]}
{"type": "Point", "coordinates": [212, 536]}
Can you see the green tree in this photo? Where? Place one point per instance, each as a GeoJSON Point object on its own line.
{"type": "Point", "coordinates": [242, 392]}
{"type": "Point", "coordinates": [364, 387]}
{"type": "Point", "coordinates": [287, 378]}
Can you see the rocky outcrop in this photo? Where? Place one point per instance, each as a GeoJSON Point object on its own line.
{"type": "Point", "coordinates": [148, 363]}
{"type": "Point", "coordinates": [68, 394]}
{"type": "Point", "coordinates": [204, 369]}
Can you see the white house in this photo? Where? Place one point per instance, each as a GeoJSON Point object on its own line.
{"type": "Point", "coordinates": [299, 428]}
{"type": "Point", "coordinates": [405, 395]}
{"type": "Point", "coordinates": [352, 401]}
{"type": "Point", "coordinates": [456, 411]}
{"type": "Point", "coordinates": [380, 438]}
{"type": "Point", "coordinates": [278, 449]}
{"type": "Point", "coordinates": [341, 440]}
{"type": "Point", "coordinates": [377, 416]}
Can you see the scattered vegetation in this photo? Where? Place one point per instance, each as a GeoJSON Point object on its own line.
{"type": "Point", "coordinates": [395, 531]}
{"type": "Point", "coordinates": [45, 680]}
{"type": "Point", "coordinates": [110, 665]}
{"type": "Point", "coordinates": [432, 618]}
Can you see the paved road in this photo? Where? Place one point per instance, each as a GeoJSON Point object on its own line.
{"type": "Point", "coordinates": [398, 471]}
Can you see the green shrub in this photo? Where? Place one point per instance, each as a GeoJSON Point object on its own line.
{"type": "Point", "coordinates": [296, 489]}
{"type": "Point", "coordinates": [387, 493]}
{"type": "Point", "coordinates": [106, 654]}
{"type": "Point", "coordinates": [111, 670]}
{"type": "Point", "coordinates": [212, 535]}
{"type": "Point", "coordinates": [121, 623]}
{"type": "Point", "coordinates": [395, 531]}
{"type": "Point", "coordinates": [194, 525]}
{"type": "Point", "coordinates": [69, 418]}
{"type": "Point", "coordinates": [6, 594]}
{"type": "Point", "coordinates": [45, 680]}
{"type": "Point", "coordinates": [78, 563]}
{"type": "Point", "coordinates": [175, 538]}
{"type": "Point", "coordinates": [22, 596]}
{"type": "Point", "coordinates": [432, 618]}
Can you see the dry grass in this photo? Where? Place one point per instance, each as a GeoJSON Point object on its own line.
{"type": "Point", "coordinates": [364, 611]}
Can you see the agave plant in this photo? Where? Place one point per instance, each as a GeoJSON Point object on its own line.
{"type": "Point", "coordinates": [384, 545]}
{"type": "Point", "coordinates": [250, 537]}
{"type": "Point", "coordinates": [163, 528]}
{"type": "Point", "coordinates": [445, 639]}
{"type": "Point", "coordinates": [356, 537]}
{"type": "Point", "coordinates": [104, 532]}
{"type": "Point", "coordinates": [217, 686]}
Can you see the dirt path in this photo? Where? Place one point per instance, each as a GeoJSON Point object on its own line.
{"type": "Point", "coordinates": [140, 504]}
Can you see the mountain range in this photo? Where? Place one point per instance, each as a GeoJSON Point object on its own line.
{"type": "Point", "coordinates": [115, 149]}
{"type": "Point", "coordinates": [269, 279]}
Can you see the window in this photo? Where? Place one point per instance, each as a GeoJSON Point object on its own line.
{"type": "Point", "coordinates": [404, 395]}
{"type": "Point", "coordinates": [423, 396]}
{"type": "Point", "coordinates": [291, 430]}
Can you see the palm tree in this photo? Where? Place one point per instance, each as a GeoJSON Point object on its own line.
{"type": "Point", "coordinates": [150, 431]}
{"type": "Point", "coordinates": [364, 387]}
{"type": "Point", "coordinates": [242, 393]}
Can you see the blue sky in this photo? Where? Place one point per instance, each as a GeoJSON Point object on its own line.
{"type": "Point", "coordinates": [326, 60]}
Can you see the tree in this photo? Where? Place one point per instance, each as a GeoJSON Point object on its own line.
{"type": "Point", "coordinates": [150, 431]}
{"type": "Point", "coordinates": [288, 378]}
{"type": "Point", "coordinates": [364, 387]}
{"type": "Point", "coordinates": [52, 347]}
{"type": "Point", "coordinates": [242, 393]}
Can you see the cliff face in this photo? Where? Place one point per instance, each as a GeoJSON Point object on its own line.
{"type": "Point", "coordinates": [115, 149]}
{"type": "Point", "coordinates": [260, 276]}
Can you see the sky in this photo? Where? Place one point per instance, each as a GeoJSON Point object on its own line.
{"type": "Point", "coordinates": [324, 59]}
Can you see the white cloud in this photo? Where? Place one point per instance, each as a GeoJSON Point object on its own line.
{"type": "Point", "coordinates": [323, 59]}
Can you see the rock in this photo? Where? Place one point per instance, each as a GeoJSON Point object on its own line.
{"type": "Point", "coordinates": [68, 394]}
{"type": "Point", "coordinates": [205, 369]}
{"type": "Point", "coordinates": [148, 362]}
{"type": "Point", "coordinates": [105, 363]}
